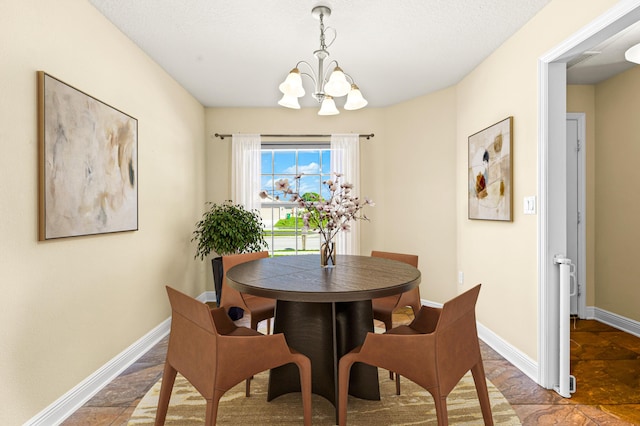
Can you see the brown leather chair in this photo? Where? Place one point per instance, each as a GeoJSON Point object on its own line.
{"type": "Point", "coordinates": [435, 351]}
{"type": "Point", "coordinates": [260, 308]}
{"type": "Point", "coordinates": [383, 307]}
{"type": "Point", "coordinates": [214, 355]}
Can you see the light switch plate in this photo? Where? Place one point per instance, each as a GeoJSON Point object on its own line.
{"type": "Point", "coordinates": [530, 205]}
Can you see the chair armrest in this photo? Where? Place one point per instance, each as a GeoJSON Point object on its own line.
{"type": "Point", "coordinates": [396, 352]}
{"type": "Point", "coordinates": [222, 322]}
{"type": "Point", "coordinates": [426, 320]}
{"type": "Point", "coordinates": [249, 355]}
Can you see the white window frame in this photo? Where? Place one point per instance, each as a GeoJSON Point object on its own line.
{"type": "Point", "coordinates": [292, 146]}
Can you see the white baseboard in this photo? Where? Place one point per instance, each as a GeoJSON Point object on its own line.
{"type": "Point", "coordinates": [68, 403]}
{"type": "Point", "coordinates": [519, 360]}
{"type": "Point", "coordinates": [207, 296]}
{"type": "Point", "coordinates": [617, 321]}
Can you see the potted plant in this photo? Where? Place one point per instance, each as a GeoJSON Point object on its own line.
{"type": "Point", "coordinates": [224, 229]}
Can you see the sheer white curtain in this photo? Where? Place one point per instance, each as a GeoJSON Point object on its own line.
{"type": "Point", "coordinates": [245, 170]}
{"type": "Point", "coordinates": [345, 159]}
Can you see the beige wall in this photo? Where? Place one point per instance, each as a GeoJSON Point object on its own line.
{"type": "Point", "coordinates": [503, 256]}
{"type": "Point", "coordinates": [419, 188]}
{"type": "Point", "coordinates": [69, 306]}
{"type": "Point", "coordinates": [617, 155]}
{"type": "Point", "coordinates": [414, 194]}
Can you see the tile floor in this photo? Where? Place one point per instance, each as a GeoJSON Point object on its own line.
{"type": "Point", "coordinates": [605, 361]}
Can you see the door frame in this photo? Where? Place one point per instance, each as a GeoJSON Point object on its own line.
{"type": "Point", "coordinates": [581, 283]}
{"type": "Point", "coordinates": [552, 181]}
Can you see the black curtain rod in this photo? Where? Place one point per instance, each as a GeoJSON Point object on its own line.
{"type": "Point", "coordinates": [222, 136]}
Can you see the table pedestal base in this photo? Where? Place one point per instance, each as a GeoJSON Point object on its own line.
{"type": "Point", "coordinates": [324, 332]}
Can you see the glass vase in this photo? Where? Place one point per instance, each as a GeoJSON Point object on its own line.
{"type": "Point", "coordinates": [327, 254]}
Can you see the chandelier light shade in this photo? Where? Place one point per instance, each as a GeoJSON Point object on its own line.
{"type": "Point", "coordinates": [289, 101]}
{"type": "Point", "coordinates": [338, 84]}
{"type": "Point", "coordinates": [328, 106]}
{"type": "Point", "coordinates": [633, 54]}
{"type": "Point", "coordinates": [292, 85]}
{"type": "Point", "coordinates": [355, 99]}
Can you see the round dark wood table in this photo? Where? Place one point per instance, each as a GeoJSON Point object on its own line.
{"type": "Point", "coordinates": [324, 313]}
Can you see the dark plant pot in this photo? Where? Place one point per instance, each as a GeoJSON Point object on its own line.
{"type": "Point", "coordinates": [216, 264]}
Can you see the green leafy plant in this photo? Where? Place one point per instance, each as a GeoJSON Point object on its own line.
{"type": "Point", "coordinates": [228, 228]}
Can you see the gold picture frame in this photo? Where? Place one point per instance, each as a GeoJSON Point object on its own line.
{"type": "Point", "coordinates": [87, 164]}
{"type": "Point", "coordinates": [491, 172]}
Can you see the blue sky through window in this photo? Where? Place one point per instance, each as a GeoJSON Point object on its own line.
{"type": "Point", "coordinates": [313, 164]}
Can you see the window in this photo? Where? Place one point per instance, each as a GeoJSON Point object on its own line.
{"type": "Point", "coordinates": [282, 218]}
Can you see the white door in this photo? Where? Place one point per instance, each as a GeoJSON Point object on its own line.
{"type": "Point", "coordinates": [576, 246]}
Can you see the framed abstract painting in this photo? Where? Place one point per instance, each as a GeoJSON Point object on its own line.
{"type": "Point", "coordinates": [491, 172]}
{"type": "Point", "coordinates": [87, 164]}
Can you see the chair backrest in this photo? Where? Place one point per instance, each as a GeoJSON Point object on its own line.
{"type": "Point", "coordinates": [230, 296]}
{"type": "Point", "coordinates": [411, 259]}
{"type": "Point", "coordinates": [191, 309]}
{"type": "Point", "coordinates": [411, 297]}
{"type": "Point", "coordinates": [192, 347]}
{"type": "Point", "coordinates": [457, 337]}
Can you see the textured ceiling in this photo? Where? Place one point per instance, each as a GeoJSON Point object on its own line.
{"type": "Point", "coordinates": [235, 53]}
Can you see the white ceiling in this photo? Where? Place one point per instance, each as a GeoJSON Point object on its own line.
{"type": "Point", "coordinates": [235, 53]}
{"type": "Point", "coordinates": [604, 60]}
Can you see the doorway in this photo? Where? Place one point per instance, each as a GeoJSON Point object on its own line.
{"type": "Point", "coordinates": [552, 157]}
{"type": "Point", "coordinates": [576, 211]}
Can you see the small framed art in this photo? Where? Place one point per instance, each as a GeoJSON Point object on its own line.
{"type": "Point", "coordinates": [491, 172]}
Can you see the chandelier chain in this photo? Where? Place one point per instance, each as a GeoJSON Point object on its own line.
{"type": "Point", "coordinates": [323, 46]}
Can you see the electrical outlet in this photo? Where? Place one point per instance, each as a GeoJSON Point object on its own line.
{"type": "Point", "coordinates": [460, 277]}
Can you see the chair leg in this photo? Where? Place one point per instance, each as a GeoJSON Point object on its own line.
{"type": "Point", "coordinates": [247, 387]}
{"type": "Point", "coordinates": [168, 379]}
{"type": "Point", "coordinates": [415, 307]}
{"type": "Point", "coordinates": [388, 325]}
{"type": "Point", "coordinates": [483, 394]}
{"type": "Point", "coordinates": [208, 420]}
{"type": "Point", "coordinates": [304, 367]}
{"type": "Point", "coordinates": [344, 370]}
{"type": "Point", "coordinates": [397, 384]}
{"type": "Point", "coordinates": [254, 325]}
{"type": "Point", "coordinates": [441, 409]}
{"type": "Point", "coordinates": [212, 409]}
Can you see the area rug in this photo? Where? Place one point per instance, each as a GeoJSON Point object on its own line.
{"type": "Point", "coordinates": [413, 407]}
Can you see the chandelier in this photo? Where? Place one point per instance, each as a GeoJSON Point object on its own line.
{"type": "Point", "coordinates": [633, 54]}
{"type": "Point", "coordinates": [325, 90]}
